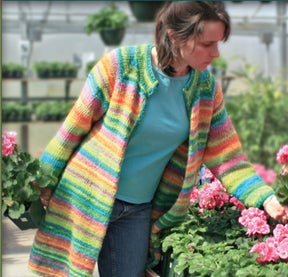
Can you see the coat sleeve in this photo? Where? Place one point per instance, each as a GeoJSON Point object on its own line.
{"type": "Point", "coordinates": [90, 106]}
{"type": "Point", "coordinates": [224, 157]}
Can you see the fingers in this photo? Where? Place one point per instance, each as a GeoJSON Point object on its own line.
{"type": "Point", "coordinates": [275, 209]}
{"type": "Point", "coordinates": [44, 202]}
{"type": "Point", "coordinates": [285, 216]}
{"type": "Point", "coordinates": [35, 184]}
{"type": "Point", "coordinates": [45, 196]}
{"type": "Point", "coordinates": [45, 193]}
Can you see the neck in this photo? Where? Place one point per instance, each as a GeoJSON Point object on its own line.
{"type": "Point", "coordinates": [179, 70]}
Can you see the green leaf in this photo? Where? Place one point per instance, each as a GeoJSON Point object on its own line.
{"type": "Point", "coordinates": [45, 176]}
{"type": "Point", "coordinates": [33, 167]}
{"type": "Point", "coordinates": [249, 271]}
{"type": "Point", "coordinates": [16, 210]}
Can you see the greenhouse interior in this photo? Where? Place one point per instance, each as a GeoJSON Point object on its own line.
{"type": "Point", "coordinates": [50, 47]}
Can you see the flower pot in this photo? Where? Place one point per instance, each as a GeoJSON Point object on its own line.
{"type": "Point", "coordinates": [145, 11]}
{"type": "Point", "coordinates": [112, 36]}
{"type": "Point", "coordinates": [12, 74]}
{"type": "Point", "coordinates": [44, 73]}
{"type": "Point", "coordinates": [218, 72]}
{"type": "Point", "coordinates": [32, 217]}
{"type": "Point", "coordinates": [168, 264]}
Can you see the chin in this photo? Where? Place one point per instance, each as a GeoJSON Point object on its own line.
{"type": "Point", "coordinates": [201, 68]}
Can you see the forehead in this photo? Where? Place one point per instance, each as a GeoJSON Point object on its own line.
{"type": "Point", "coordinates": [212, 31]}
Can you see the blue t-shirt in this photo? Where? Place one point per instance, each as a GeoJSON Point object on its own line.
{"type": "Point", "coordinates": [165, 125]}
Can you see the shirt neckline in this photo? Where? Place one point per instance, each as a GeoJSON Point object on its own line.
{"type": "Point", "coordinates": [172, 78]}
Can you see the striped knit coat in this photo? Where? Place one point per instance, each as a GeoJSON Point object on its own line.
{"type": "Point", "coordinates": [88, 150]}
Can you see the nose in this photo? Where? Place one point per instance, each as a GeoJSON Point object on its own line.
{"type": "Point", "coordinates": [215, 51]}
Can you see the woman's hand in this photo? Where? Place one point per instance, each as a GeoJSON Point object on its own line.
{"type": "Point", "coordinates": [275, 209]}
{"type": "Point", "coordinates": [45, 194]}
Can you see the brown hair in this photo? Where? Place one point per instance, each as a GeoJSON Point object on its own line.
{"type": "Point", "coordinates": [185, 18]}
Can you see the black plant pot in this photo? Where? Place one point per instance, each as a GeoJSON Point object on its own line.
{"type": "Point", "coordinates": [44, 73]}
{"type": "Point", "coordinates": [112, 36]}
{"type": "Point", "coordinates": [32, 217]}
{"type": "Point", "coordinates": [145, 11]}
{"type": "Point", "coordinates": [12, 74]}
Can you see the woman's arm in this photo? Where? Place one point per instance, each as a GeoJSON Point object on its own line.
{"type": "Point", "coordinates": [224, 157]}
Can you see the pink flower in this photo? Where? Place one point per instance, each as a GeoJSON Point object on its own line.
{"type": "Point", "coordinates": [207, 203]}
{"type": "Point", "coordinates": [280, 232]}
{"type": "Point", "coordinates": [258, 225]}
{"type": "Point", "coordinates": [208, 175]}
{"type": "Point", "coordinates": [273, 243]}
{"type": "Point", "coordinates": [248, 214]}
{"type": "Point", "coordinates": [268, 176]}
{"type": "Point", "coordinates": [212, 195]}
{"type": "Point", "coordinates": [194, 195]}
{"type": "Point", "coordinates": [265, 250]}
{"type": "Point", "coordinates": [282, 249]}
{"type": "Point", "coordinates": [239, 205]}
{"type": "Point", "coordinates": [282, 155]}
{"type": "Point", "coordinates": [191, 248]}
{"type": "Point", "coordinates": [8, 142]}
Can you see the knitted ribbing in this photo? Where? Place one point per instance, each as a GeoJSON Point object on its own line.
{"type": "Point", "coordinates": [88, 150]}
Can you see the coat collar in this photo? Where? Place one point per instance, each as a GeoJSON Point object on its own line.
{"type": "Point", "coordinates": [149, 83]}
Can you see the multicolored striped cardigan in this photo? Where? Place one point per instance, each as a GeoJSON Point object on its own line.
{"type": "Point", "coordinates": [88, 150]}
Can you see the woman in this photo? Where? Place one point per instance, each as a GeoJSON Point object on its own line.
{"type": "Point", "coordinates": [129, 152]}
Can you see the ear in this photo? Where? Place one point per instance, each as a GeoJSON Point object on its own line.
{"type": "Point", "coordinates": [171, 35]}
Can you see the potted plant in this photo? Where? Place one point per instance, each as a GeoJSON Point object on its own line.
{"type": "Point", "coordinates": [55, 69]}
{"type": "Point", "coordinates": [13, 70]}
{"type": "Point", "coordinates": [221, 237]}
{"type": "Point", "coordinates": [42, 69]}
{"type": "Point", "coordinates": [20, 198]}
{"type": "Point", "coordinates": [70, 70]}
{"type": "Point", "coordinates": [16, 112]}
{"type": "Point", "coordinates": [110, 22]}
{"type": "Point", "coordinates": [145, 11]}
{"type": "Point", "coordinates": [52, 111]}
{"type": "Point", "coordinates": [7, 112]}
{"type": "Point", "coordinates": [89, 66]}
{"type": "Point", "coordinates": [219, 66]}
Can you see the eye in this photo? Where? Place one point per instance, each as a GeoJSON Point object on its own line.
{"type": "Point", "coordinates": [207, 44]}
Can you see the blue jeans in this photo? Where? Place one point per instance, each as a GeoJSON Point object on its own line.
{"type": "Point", "coordinates": [125, 247]}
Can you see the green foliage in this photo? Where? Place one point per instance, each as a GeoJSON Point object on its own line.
{"type": "Point", "coordinates": [219, 62]}
{"type": "Point", "coordinates": [260, 116]}
{"type": "Point", "coordinates": [13, 70]}
{"type": "Point", "coordinates": [18, 171]}
{"type": "Point", "coordinates": [213, 243]}
{"type": "Point", "coordinates": [55, 69]}
{"type": "Point", "coordinates": [281, 189]}
{"type": "Point", "coordinates": [16, 112]}
{"type": "Point", "coordinates": [53, 110]}
{"type": "Point", "coordinates": [90, 65]}
{"type": "Point", "coordinates": [108, 17]}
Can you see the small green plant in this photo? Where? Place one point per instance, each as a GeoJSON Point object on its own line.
{"type": "Point", "coordinates": [108, 17]}
{"type": "Point", "coordinates": [13, 70]}
{"type": "Point", "coordinates": [53, 110]}
{"type": "Point", "coordinates": [90, 65]}
{"type": "Point", "coordinates": [219, 62]}
{"type": "Point", "coordinates": [55, 69]}
{"type": "Point", "coordinates": [18, 170]}
{"type": "Point", "coordinates": [16, 112]}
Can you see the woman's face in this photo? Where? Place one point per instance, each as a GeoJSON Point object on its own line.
{"type": "Point", "coordinates": [199, 52]}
